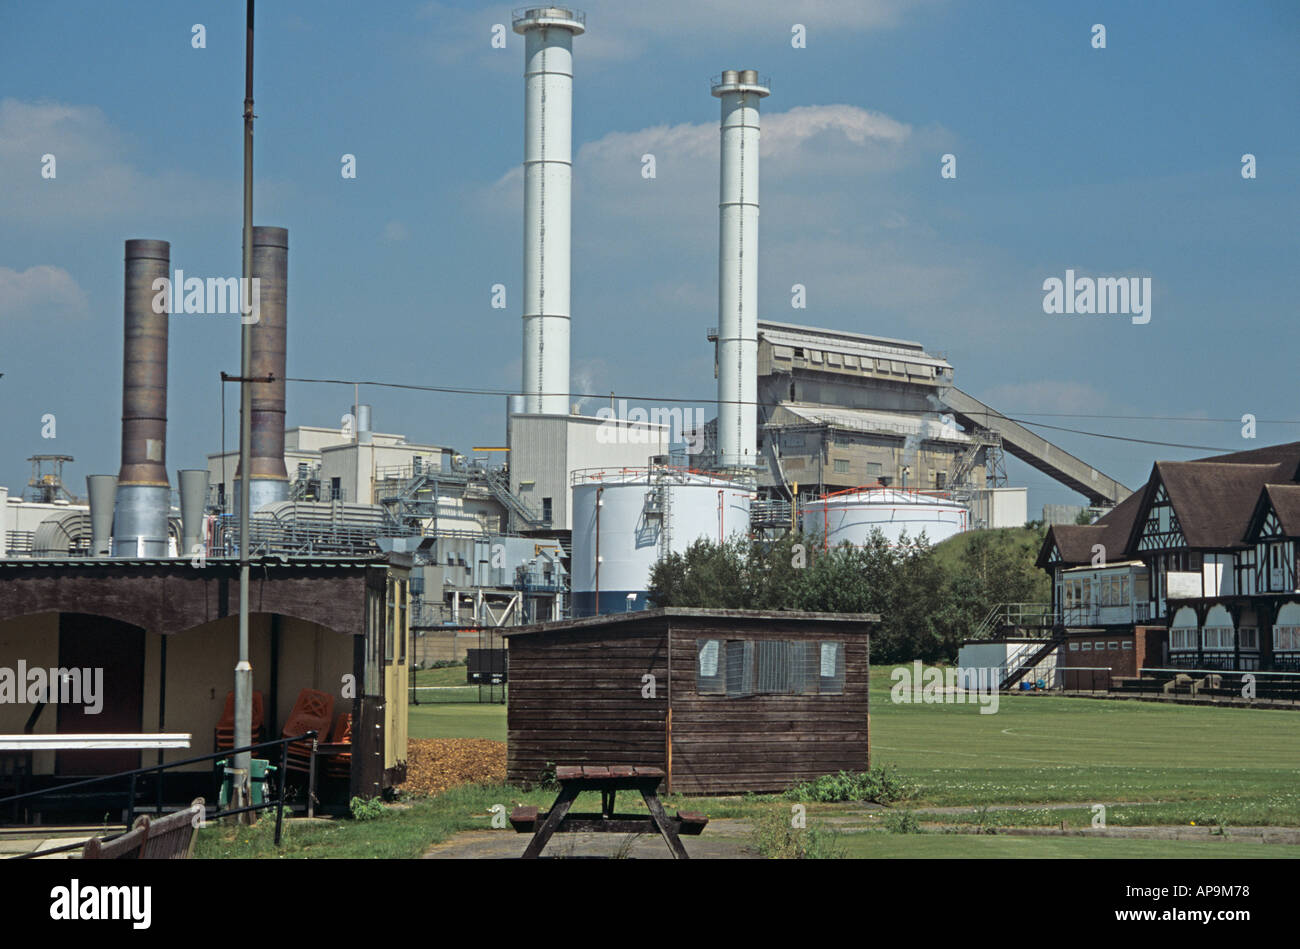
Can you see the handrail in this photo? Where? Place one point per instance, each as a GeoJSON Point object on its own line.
{"type": "Point", "coordinates": [159, 768]}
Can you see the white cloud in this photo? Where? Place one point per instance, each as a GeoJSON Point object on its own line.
{"type": "Point", "coordinates": [617, 32]}
{"type": "Point", "coordinates": [40, 293]}
{"type": "Point", "coordinates": [94, 177]}
{"type": "Point", "coordinates": [396, 231]}
{"type": "Point", "coordinates": [830, 220]}
{"type": "Point", "coordinates": [805, 142]}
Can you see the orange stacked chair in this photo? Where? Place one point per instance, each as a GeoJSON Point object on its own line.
{"type": "Point", "coordinates": [339, 764]}
{"type": "Point", "coordinates": [312, 712]}
{"type": "Point", "coordinates": [225, 731]}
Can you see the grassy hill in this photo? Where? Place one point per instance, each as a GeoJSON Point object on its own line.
{"type": "Point", "coordinates": [949, 553]}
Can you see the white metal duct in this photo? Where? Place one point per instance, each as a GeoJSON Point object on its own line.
{"type": "Point", "coordinates": [62, 534]}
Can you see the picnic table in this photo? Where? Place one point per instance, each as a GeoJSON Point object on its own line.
{"type": "Point", "coordinates": [574, 779]}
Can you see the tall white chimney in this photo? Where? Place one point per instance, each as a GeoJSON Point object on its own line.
{"type": "Point", "coordinates": [740, 92]}
{"type": "Point", "coordinates": [548, 174]}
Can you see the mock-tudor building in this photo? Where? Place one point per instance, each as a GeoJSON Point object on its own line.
{"type": "Point", "coordinates": [1195, 570]}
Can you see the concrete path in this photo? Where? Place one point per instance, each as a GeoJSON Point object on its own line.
{"type": "Point", "coordinates": [14, 846]}
{"type": "Point", "coordinates": [721, 840]}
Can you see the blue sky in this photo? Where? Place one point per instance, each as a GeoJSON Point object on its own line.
{"type": "Point", "coordinates": [1123, 161]}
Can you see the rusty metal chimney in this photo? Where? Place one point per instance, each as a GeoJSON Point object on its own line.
{"type": "Point", "coordinates": [143, 492]}
{"type": "Point", "coordinates": [269, 481]}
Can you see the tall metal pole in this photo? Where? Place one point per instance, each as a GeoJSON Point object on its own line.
{"type": "Point", "coordinates": [244, 669]}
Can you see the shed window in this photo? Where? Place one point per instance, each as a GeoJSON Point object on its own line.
{"type": "Point", "coordinates": [830, 674]}
{"type": "Point", "coordinates": [390, 620]}
{"type": "Point", "coordinates": [784, 668]}
{"type": "Point", "coordinates": [740, 667]}
{"type": "Point", "coordinates": [403, 619]}
{"type": "Point", "coordinates": [768, 667]}
{"type": "Point", "coordinates": [708, 667]}
{"type": "Point", "coordinates": [375, 634]}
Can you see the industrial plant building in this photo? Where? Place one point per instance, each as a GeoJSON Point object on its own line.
{"type": "Point", "coordinates": [832, 432]}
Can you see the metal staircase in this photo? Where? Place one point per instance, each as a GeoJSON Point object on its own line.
{"type": "Point", "coordinates": [1015, 673]}
{"type": "Point", "coordinates": [498, 483]}
{"type": "Point", "coordinates": [1022, 621]}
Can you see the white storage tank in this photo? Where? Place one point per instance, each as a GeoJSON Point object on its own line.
{"type": "Point", "coordinates": [626, 519]}
{"type": "Point", "coordinates": [851, 515]}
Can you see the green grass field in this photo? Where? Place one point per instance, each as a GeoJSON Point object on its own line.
{"type": "Point", "coordinates": [966, 846]}
{"type": "Point", "coordinates": [457, 721]}
{"type": "Point", "coordinates": [449, 675]}
{"type": "Point", "coordinates": [1150, 764]}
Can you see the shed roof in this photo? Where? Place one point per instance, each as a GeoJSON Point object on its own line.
{"type": "Point", "coordinates": [614, 620]}
{"type": "Point", "coordinates": [184, 563]}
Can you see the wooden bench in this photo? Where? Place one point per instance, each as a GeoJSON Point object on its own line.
{"type": "Point", "coordinates": [161, 838]}
{"type": "Point", "coordinates": [574, 779]}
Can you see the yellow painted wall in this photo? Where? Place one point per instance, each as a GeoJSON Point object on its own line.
{"type": "Point", "coordinates": [200, 671]}
{"type": "Point", "coordinates": [35, 640]}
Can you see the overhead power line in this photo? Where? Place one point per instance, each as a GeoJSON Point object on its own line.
{"type": "Point", "coordinates": [496, 391]}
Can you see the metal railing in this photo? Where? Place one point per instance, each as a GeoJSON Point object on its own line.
{"type": "Point", "coordinates": [764, 81]}
{"type": "Point", "coordinates": [547, 10]}
{"type": "Point", "coordinates": [19, 542]}
{"type": "Point", "coordinates": [135, 773]}
{"type": "Point", "coordinates": [1036, 617]}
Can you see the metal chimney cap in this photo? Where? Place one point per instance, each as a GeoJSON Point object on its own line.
{"type": "Point", "coordinates": [138, 248]}
{"type": "Point", "coordinates": [539, 18]}
{"type": "Point", "coordinates": [741, 80]}
{"type": "Point", "coordinates": [264, 236]}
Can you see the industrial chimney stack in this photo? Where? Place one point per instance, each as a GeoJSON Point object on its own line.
{"type": "Point", "coordinates": [740, 92]}
{"type": "Point", "coordinates": [270, 480]}
{"type": "Point", "coordinates": [548, 173]}
{"type": "Point", "coordinates": [143, 493]}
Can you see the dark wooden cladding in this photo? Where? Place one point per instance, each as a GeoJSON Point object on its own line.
{"type": "Point", "coordinates": [576, 699]}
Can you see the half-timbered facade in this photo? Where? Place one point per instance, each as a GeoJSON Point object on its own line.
{"type": "Point", "coordinates": [1217, 540]}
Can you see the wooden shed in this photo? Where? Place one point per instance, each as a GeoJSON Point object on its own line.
{"type": "Point", "coordinates": [725, 701]}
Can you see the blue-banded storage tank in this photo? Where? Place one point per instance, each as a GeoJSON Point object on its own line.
{"type": "Point", "coordinates": [626, 519]}
{"type": "Point", "coordinates": [852, 515]}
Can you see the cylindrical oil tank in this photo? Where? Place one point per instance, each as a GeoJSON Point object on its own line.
{"type": "Point", "coordinates": [852, 515]}
{"type": "Point", "coordinates": [626, 519]}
